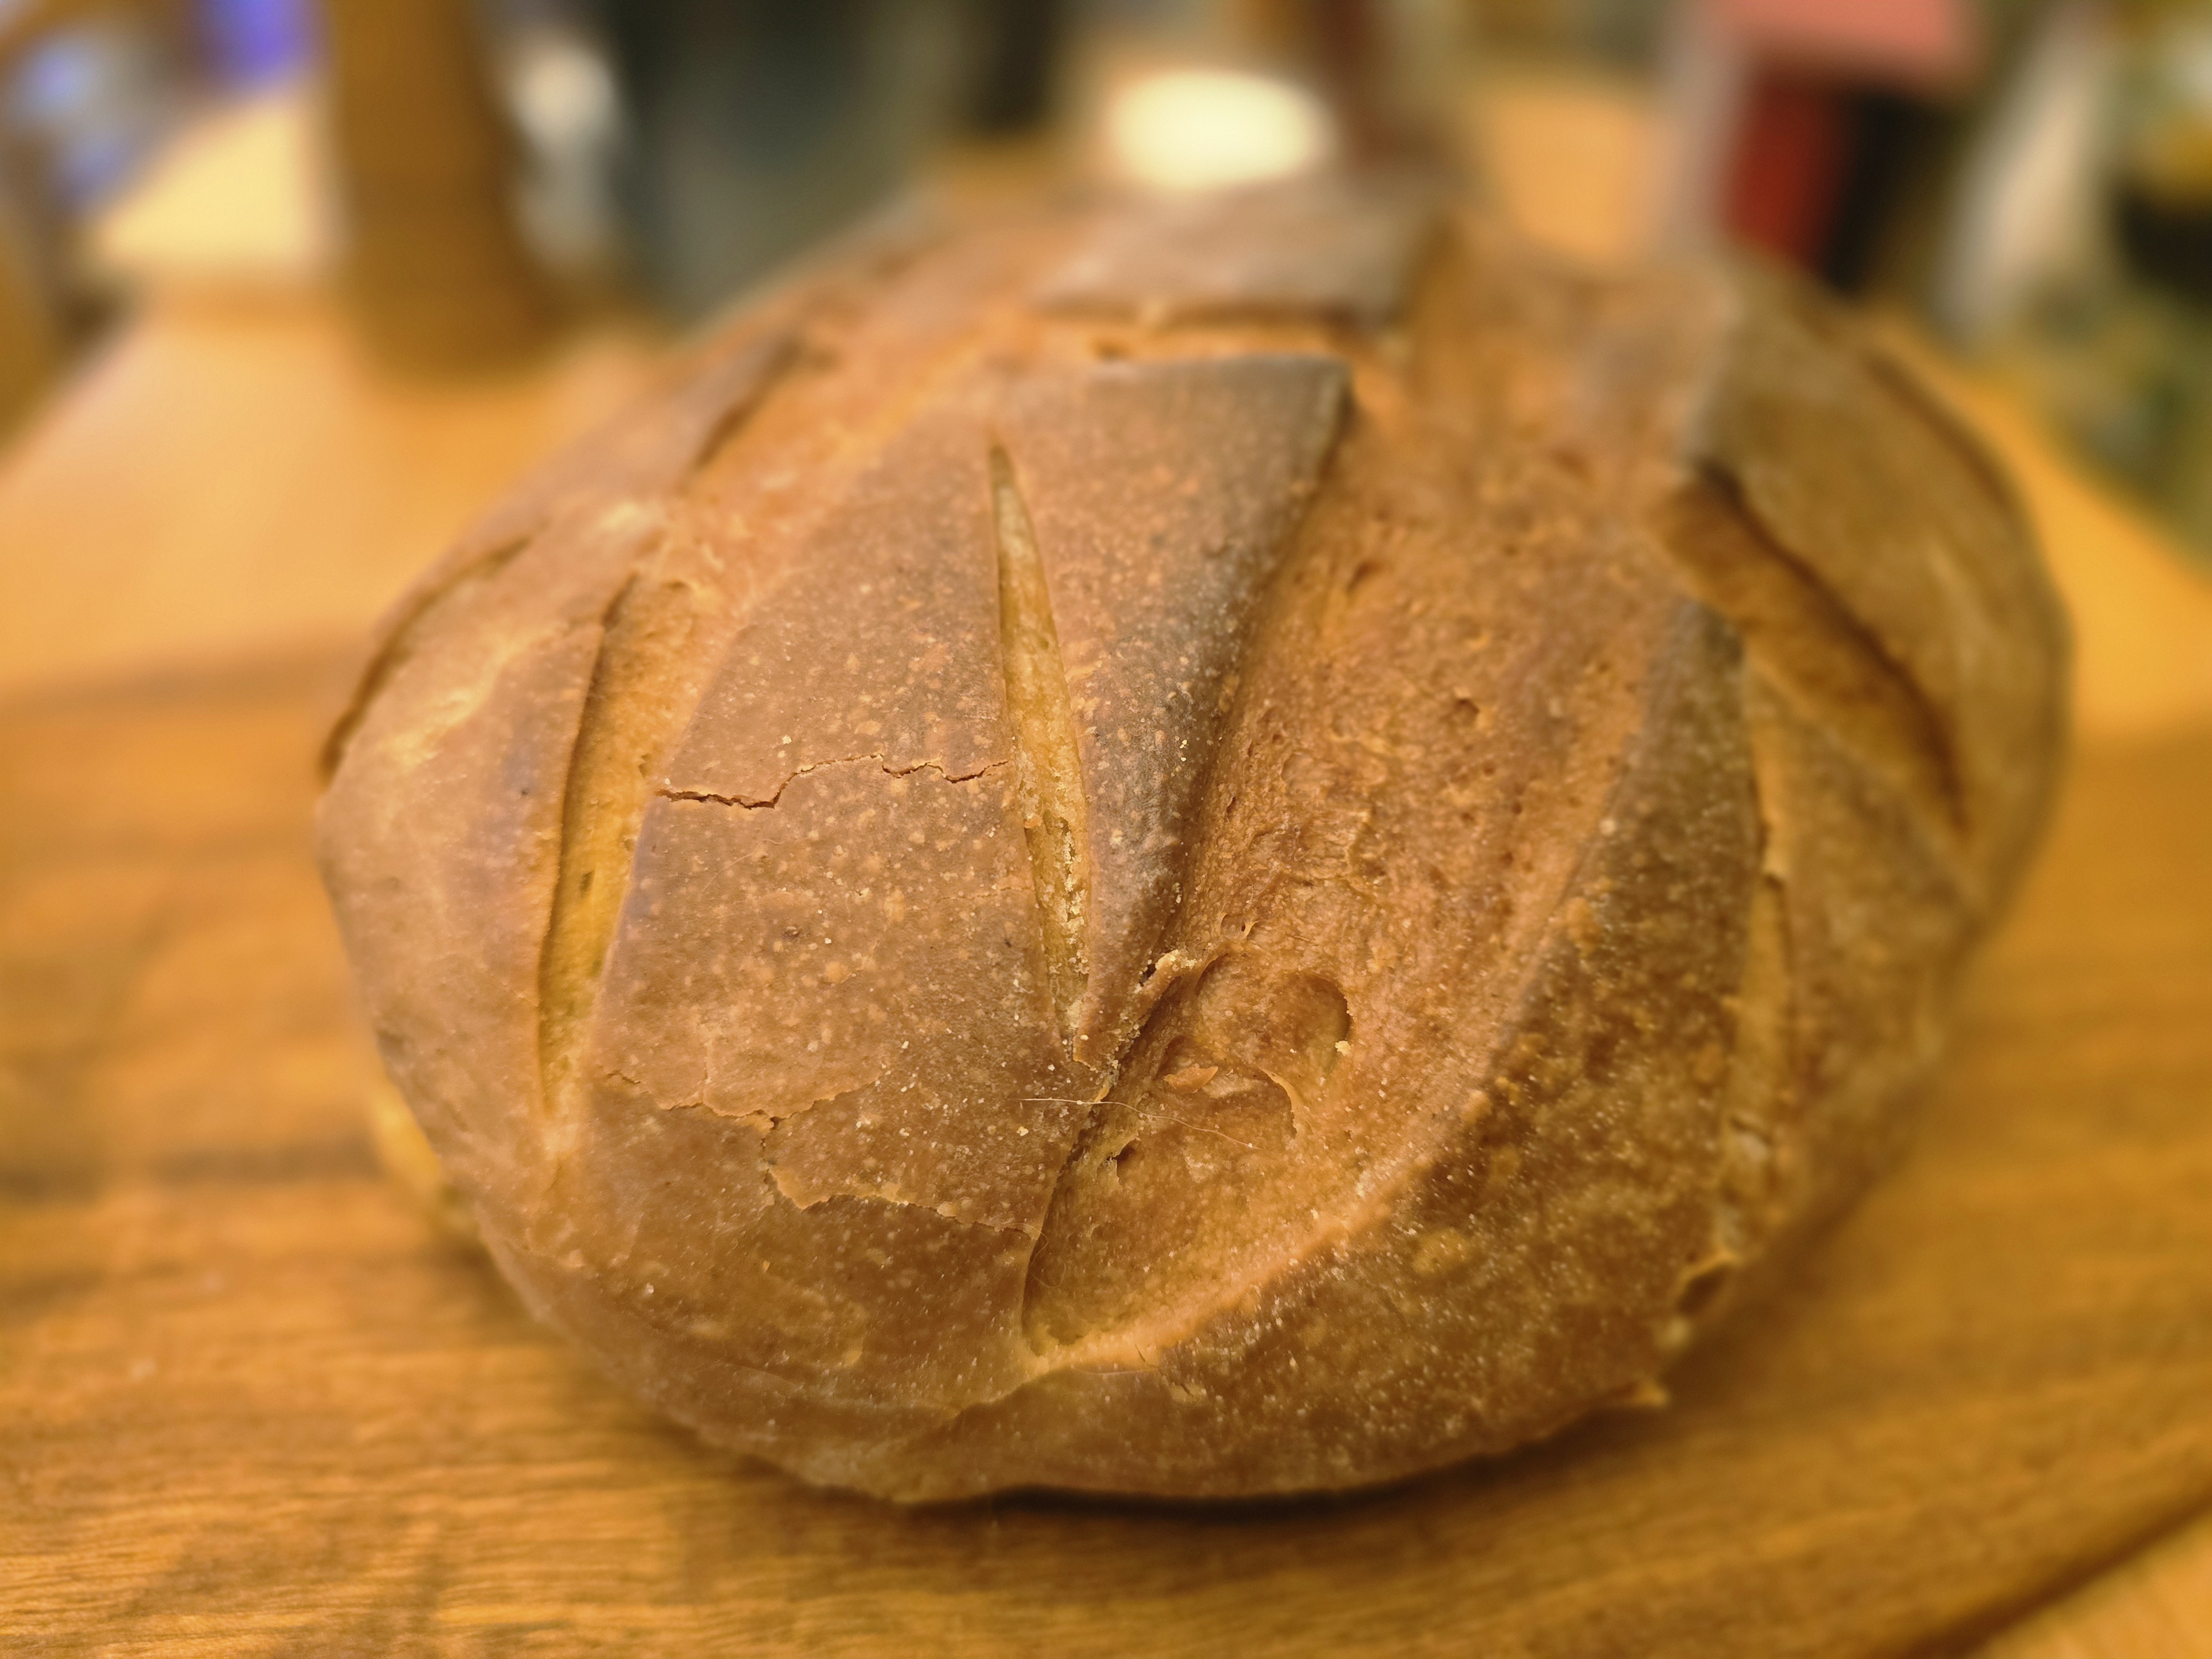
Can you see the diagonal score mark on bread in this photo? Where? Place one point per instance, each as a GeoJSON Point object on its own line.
{"type": "Point", "coordinates": [1805, 639]}
{"type": "Point", "coordinates": [832, 873]}
{"type": "Point", "coordinates": [625, 462]}
{"type": "Point", "coordinates": [1163, 499]}
{"type": "Point", "coordinates": [412, 618]}
{"type": "Point", "coordinates": [931, 677]}
{"type": "Point", "coordinates": [622, 738]}
{"type": "Point", "coordinates": [1863, 482]}
{"type": "Point", "coordinates": [631, 715]}
{"type": "Point", "coordinates": [1054, 818]}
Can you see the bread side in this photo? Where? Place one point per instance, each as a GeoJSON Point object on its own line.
{"type": "Point", "coordinates": [1235, 864]}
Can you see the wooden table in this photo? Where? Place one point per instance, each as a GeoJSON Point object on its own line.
{"type": "Point", "coordinates": [229, 475]}
{"type": "Point", "coordinates": [249, 1402]}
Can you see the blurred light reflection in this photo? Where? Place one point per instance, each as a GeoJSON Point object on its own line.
{"type": "Point", "coordinates": [1191, 130]}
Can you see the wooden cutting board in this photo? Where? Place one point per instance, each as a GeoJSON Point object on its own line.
{"type": "Point", "coordinates": [251, 1403]}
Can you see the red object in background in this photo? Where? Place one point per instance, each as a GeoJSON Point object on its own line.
{"type": "Point", "coordinates": [1803, 117]}
{"type": "Point", "coordinates": [1793, 145]}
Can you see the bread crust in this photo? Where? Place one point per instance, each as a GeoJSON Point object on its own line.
{"type": "Point", "coordinates": [1212, 867]}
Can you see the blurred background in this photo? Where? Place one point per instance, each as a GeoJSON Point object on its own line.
{"type": "Point", "coordinates": [277, 271]}
{"type": "Point", "coordinates": [289, 290]}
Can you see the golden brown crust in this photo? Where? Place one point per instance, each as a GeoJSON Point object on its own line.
{"type": "Point", "coordinates": [1204, 871]}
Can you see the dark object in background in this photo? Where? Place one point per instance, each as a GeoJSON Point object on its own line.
{"type": "Point", "coordinates": [1899, 142]}
{"type": "Point", "coordinates": [2093, 285]}
{"type": "Point", "coordinates": [2167, 239]}
{"type": "Point", "coordinates": [87, 94]}
{"type": "Point", "coordinates": [2166, 242]}
{"type": "Point", "coordinates": [92, 96]}
{"type": "Point", "coordinates": [2162, 186]}
{"type": "Point", "coordinates": [33, 339]}
{"type": "Point", "coordinates": [437, 266]}
{"type": "Point", "coordinates": [1820, 129]}
{"type": "Point", "coordinates": [1823, 170]}
{"type": "Point", "coordinates": [757, 127]}
{"type": "Point", "coordinates": [1789, 154]}
{"type": "Point", "coordinates": [1378, 65]}
{"type": "Point", "coordinates": [1016, 46]}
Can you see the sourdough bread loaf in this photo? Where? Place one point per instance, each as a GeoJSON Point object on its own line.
{"type": "Point", "coordinates": [1222, 849]}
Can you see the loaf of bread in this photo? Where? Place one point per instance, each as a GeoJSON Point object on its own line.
{"type": "Point", "coordinates": [1207, 850]}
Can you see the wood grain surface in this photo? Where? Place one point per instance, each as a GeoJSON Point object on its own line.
{"type": "Point", "coordinates": [253, 1403]}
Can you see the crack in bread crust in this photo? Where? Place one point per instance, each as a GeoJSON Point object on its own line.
{"type": "Point", "coordinates": [749, 804]}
